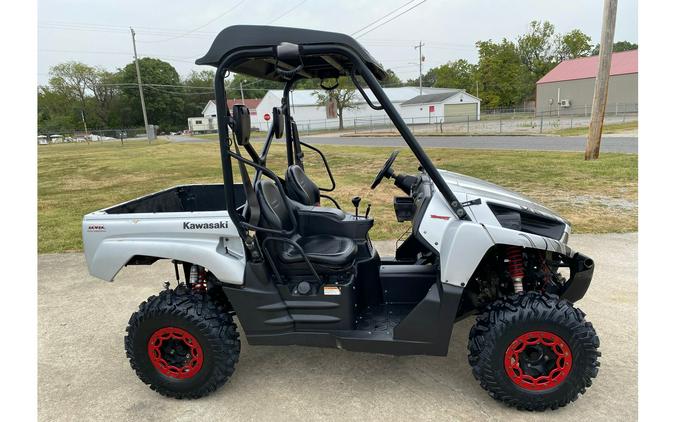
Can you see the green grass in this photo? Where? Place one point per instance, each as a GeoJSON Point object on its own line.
{"type": "Point", "coordinates": [606, 129]}
{"type": "Point", "coordinates": [74, 179]}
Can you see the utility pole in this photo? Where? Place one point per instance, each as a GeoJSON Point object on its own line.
{"type": "Point", "coordinates": [86, 132]}
{"type": "Point", "coordinates": [84, 122]}
{"type": "Point", "coordinates": [601, 81]}
{"type": "Point", "coordinates": [420, 45]}
{"type": "Point", "coordinates": [140, 84]}
{"type": "Point", "coordinates": [241, 89]}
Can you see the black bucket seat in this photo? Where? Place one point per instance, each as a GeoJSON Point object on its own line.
{"type": "Point", "coordinates": [301, 188]}
{"type": "Point", "coordinates": [327, 253]}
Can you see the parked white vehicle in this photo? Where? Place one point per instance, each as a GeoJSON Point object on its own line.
{"type": "Point", "coordinates": [296, 268]}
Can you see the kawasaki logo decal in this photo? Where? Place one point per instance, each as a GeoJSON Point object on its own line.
{"type": "Point", "coordinates": [208, 226]}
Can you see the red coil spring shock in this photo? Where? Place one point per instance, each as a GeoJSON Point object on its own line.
{"type": "Point", "coordinates": [515, 258]}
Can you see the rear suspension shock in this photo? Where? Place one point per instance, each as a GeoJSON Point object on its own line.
{"type": "Point", "coordinates": [514, 255]}
{"type": "Point", "coordinates": [198, 278]}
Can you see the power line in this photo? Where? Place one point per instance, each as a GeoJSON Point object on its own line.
{"type": "Point", "coordinates": [170, 31]}
{"type": "Point", "coordinates": [286, 12]}
{"type": "Point", "coordinates": [199, 27]}
{"type": "Point", "coordinates": [391, 19]}
{"type": "Point", "coordinates": [116, 31]}
{"type": "Point", "coordinates": [122, 53]}
{"type": "Point", "coordinates": [382, 17]}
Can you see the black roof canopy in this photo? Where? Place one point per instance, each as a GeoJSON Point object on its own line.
{"type": "Point", "coordinates": [322, 66]}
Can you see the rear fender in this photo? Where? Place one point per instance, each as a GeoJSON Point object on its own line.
{"type": "Point", "coordinates": [226, 263]}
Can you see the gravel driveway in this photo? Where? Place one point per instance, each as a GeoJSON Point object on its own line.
{"type": "Point", "coordinates": [83, 373]}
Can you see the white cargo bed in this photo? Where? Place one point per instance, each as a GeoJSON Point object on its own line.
{"type": "Point", "coordinates": [187, 223]}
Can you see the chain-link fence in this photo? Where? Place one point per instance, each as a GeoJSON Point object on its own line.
{"type": "Point", "coordinates": [56, 136]}
{"type": "Point", "coordinates": [499, 121]}
{"type": "Point", "coordinates": [507, 121]}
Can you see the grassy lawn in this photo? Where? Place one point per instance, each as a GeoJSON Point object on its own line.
{"type": "Point", "coordinates": [74, 179]}
{"type": "Point", "coordinates": [606, 129]}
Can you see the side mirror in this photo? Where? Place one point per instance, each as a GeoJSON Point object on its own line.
{"type": "Point", "coordinates": [277, 122]}
{"type": "Point", "coordinates": [242, 124]}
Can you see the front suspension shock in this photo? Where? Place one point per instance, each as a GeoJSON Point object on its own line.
{"type": "Point", "coordinates": [514, 254]}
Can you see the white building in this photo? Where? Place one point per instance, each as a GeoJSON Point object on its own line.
{"type": "Point", "coordinates": [208, 123]}
{"type": "Point", "coordinates": [434, 105]}
{"type": "Point", "coordinates": [451, 106]}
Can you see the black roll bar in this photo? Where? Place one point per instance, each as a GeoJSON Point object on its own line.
{"type": "Point", "coordinates": [371, 81]}
{"type": "Point", "coordinates": [325, 164]}
{"type": "Point", "coordinates": [286, 109]}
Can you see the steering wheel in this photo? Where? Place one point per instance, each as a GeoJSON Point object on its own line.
{"type": "Point", "coordinates": [385, 171]}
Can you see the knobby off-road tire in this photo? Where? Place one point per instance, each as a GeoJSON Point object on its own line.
{"type": "Point", "coordinates": [182, 344]}
{"type": "Point", "coordinates": [529, 324]}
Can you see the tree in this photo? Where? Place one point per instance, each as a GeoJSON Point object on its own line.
{"type": "Point", "coordinates": [90, 90]}
{"type": "Point", "coordinates": [105, 95]}
{"type": "Point", "coordinates": [501, 74]}
{"type": "Point", "coordinates": [56, 111]}
{"type": "Point", "coordinates": [162, 91]}
{"type": "Point", "coordinates": [343, 97]}
{"type": "Point", "coordinates": [572, 45]}
{"type": "Point", "coordinates": [458, 74]}
{"type": "Point", "coordinates": [428, 79]}
{"type": "Point", "coordinates": [392, 79]}
{"type": "Point", "coordinates": [618, 47]}
{"type": "Point", "coordinates": [71, 80]}
{"type": "Point", "coordinates": [198, 92]}
{"type": "Point", "coordinates": [537, 48]}
{"type": "Point", "coordinates": [253, 87]}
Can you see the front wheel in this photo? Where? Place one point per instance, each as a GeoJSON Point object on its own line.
{"type": "Point", "coordinates": [534, 351]}
{"type": "Point", "coordinates": [182, 344]}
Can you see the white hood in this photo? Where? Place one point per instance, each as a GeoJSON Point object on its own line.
{"type": "Point", "coordinates": [477, 188]}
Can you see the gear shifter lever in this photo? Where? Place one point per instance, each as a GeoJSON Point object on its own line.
{"type": "Point", "coordinates": [356, 201]}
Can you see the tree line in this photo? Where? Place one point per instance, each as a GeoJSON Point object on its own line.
{"type": "Point", "coordinates": [504, 76]}
{"type": "Point", "coordinates": [507, 71]}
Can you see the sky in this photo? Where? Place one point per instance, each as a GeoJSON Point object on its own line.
{"type": "Point", "coordinates": [97, 32]}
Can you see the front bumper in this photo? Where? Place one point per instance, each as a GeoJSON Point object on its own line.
{"type": "Point", "coordinates": [581, 273]}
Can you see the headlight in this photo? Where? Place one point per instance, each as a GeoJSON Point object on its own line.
{"type": "Point", "coordinates": [525, 221]}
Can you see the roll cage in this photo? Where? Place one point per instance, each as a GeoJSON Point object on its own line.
{"type": "Point", "coordinates": [325, 55]}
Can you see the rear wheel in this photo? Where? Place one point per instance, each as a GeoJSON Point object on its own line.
{"type": "Point", "coordinates": [534, 351]}
{"type": "Point", "coordinates": [182, 344]}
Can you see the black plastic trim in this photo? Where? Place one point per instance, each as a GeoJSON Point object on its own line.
{"type": "Point", "coordinates": [581, 273]}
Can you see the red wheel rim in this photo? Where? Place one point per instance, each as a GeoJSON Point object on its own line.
{"type": "Point", "coordinates": [175, 353]}
{"type": "Point", "coordinates": [546, 357]}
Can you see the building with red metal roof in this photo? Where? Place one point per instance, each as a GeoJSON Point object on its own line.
{"type": "Point", "coordinates": [568, 87]}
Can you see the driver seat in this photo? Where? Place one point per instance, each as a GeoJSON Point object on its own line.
{"type": "Point", "coordinates": [326, 253]}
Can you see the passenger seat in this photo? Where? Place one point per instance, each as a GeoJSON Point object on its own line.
{"type": "Point", "coordinates": [301, 188]}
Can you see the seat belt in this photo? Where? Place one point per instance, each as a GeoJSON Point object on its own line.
{"type": "Point", "coordinates": [299, 155]}
{"type": "Point", "coordinates": [252, 204]}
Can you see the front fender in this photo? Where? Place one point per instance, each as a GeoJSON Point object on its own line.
{"type": "Point", "coordinates": [463, 246]}
{"type": "Point", "coordinates": [465, 243]}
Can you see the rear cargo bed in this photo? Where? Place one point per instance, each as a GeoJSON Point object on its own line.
{"type": "Point", "coordinates": [185, 198]}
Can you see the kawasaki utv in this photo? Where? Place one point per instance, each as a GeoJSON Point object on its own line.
{"type": "Point", "coordinates": [295, 268]}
